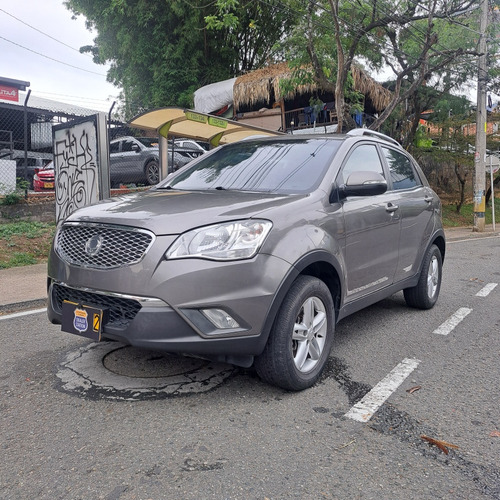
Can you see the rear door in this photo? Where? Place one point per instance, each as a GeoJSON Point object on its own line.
{"type": "Point", "coordinates": [372, 229]}
{"type": "Point", "coordinates": [132, 162]}
{"type": "Point", "coordinates": [115, 161]}
{"type": "Point", "coordinates": [415, 203]}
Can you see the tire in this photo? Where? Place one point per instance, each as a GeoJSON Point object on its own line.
{"type": "Point", "coordinates": [296, 353]}
{"type": "Point", "coordinates": [152, 172]}
{"type": "Point", "coordinates": [425, 294]}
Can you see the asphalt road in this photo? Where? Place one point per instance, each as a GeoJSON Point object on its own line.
{"type": "Point", "coordinates": [243, 439]}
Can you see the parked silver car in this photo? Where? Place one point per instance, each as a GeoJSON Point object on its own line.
{"type": "Point", "coordinates": [136, 160]}
{"type": "Point", "coordinates": [253, 253]}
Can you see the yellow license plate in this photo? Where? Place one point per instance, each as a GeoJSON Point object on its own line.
{"type": "Point", "coordinates": [48, 185]}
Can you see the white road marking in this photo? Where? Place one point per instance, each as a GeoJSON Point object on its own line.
{"type": "Point", "coordinates": [486, 290]}
{"type": "Point", "coordinates": [363, 410]}
{"type": "Point", "coordinates": [472, 239]}
{"type": "Point", "coordinates": [452, 321]}
{"type": "Point", "coordinates": [24, 313]}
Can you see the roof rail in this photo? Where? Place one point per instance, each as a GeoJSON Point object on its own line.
{"type": "Point", "coordinates": [373, 133]}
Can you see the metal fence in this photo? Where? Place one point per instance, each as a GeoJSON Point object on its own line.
{"type": "Point", "coordinates": [26, 146]}
{"type": "Point", "coordinates": [26, 137]}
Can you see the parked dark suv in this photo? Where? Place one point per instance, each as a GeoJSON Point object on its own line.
{"type": "Point", "coordinates": [253, 252]}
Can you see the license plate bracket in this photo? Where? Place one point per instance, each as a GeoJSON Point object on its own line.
{"type": "Point", "coordinates": [81, 319]}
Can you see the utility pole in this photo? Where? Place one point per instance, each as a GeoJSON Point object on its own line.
{"type": "Point", "coordinates": [481, 120]}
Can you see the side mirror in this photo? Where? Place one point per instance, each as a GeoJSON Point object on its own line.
{"type": "Point", "coordinates": [363, 183]}
{"type": "Point", "coordinates": [136, 148]}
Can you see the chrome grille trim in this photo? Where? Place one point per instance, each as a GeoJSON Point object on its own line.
{"type": "Point", "coordinates": [122, 308]}
{"type": "Point", "coordinates": [119, 246]}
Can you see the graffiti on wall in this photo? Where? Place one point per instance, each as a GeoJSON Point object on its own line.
{"type": "Point", "coordinates": [75, 163]}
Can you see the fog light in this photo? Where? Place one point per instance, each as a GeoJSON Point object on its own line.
{"type": "Point", "coordinates": [220, 319]}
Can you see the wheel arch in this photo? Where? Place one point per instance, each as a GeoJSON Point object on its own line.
{"type": "Point", "coordinates": [319, 264]}
{"type": "Point", "coordinates": [439, 241]}
{"type": "Point", "coordinates": [148, 160]}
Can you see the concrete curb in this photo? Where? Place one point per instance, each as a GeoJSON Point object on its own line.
{"type": "Point", "coordinates": [23, 306]}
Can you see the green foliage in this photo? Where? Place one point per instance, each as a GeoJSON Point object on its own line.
{"type": "Point", "coordinates": [421, 138]}
{"type": "Point", "coordinates": [465, 217]}
{"type": "Point", "coordinates": [161, 52]}
{"type": "Point", "coordinates": [19, 259]}
{"type": "Point", "coordinates": [24, 228]}
{"type": "Point", "coordinates": [447, 106]}
{"type": "Point", "coordinates": [12, 198]}
{"type": "Point", "coordinates": [352, 96]}
{"type": "Point", "coordinates": [24, 243]}
{"type": "Point", "coordinates": [22, 184]}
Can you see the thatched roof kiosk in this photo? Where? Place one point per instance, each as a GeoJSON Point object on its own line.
{"type": "Point", "coordinates": [263, 86]}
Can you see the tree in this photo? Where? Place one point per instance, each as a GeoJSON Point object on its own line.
{"type": "Point", "coordinates": [385, 27]}
{"type": "Point", "coordinates": [161, 52]}
{"type": "Point", "coordinates": [332, 35]}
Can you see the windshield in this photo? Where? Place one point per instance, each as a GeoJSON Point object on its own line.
{"type": "Point", "coordinates": [278, 166]}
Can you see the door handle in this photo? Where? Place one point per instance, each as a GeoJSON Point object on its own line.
{"type": "Point", "coordinates": [391, 208]}
{"type": "Point", "coordinates": [428, 199]}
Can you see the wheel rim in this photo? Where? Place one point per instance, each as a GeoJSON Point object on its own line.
{"type": "Point", "coordinates": [432, 277]}
{"type": "Point", "coordinates": [153, 173]}
{"type": "Point", "coordinates": [309, 334]}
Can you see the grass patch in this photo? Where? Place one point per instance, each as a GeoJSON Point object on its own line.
{"type": "Point", "coordinates": [24, 228]}
{"type": "Point", "coordinates": [19, 259]}
{"type": "Point", "coordinates": [23, 243]}
{"type": "Point", "coordinates": [451, 218]}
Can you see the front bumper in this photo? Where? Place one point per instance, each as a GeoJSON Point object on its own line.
{"type": "Point", "coordinates": [158, 307]}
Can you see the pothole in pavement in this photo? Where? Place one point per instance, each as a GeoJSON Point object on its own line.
{"type": "Point", "coordinates": [109, 370]}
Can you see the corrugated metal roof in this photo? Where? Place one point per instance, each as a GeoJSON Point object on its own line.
{"type": "Point", "coordinates": [56, 107]}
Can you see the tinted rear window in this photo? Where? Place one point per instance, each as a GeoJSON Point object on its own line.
{"type": "Point", "coordinates": [402, 174]}
{"type": "Point", "coordinates": [274, 166]}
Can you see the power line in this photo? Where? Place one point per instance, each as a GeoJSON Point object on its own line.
{"type": "Point", "coordinates": [51, 58]}
{"type": "Point", "coordinates": [77, 97]}
{"type": "Point", "coordinates": [42, 32]}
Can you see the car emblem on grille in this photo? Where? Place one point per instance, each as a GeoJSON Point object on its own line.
{"type": "Point", "coordinates": [93, 245]}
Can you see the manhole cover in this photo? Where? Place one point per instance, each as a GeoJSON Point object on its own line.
{"type": "Point", "coordinates": [131, 362]}
{"type": "Point", "coordinates": [109, 370]}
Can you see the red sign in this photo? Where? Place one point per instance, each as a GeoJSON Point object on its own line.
{"type": "Point", "coordinates": [9, 93]}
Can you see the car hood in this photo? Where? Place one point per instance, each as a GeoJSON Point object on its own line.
{"type": "Point", "coordinates": [173, 212]}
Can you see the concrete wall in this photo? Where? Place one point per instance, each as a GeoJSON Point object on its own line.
{"type": "Point", "coordinates": [41, 211]}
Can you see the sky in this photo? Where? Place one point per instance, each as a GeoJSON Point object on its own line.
{"type": "Point", "coordinates": [55, 71]}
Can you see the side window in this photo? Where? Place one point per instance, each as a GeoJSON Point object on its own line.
{"type": "Point", "coordinates": [127, 146]}
{"type": "Point", "coordinates": [363, 158]}
{"type": "Point", "coordinates": [402, 173]}
{"type": "Point", "coordinates": [114, 147]}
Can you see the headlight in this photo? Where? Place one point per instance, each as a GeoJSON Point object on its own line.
{"type": "Point", "coordinates": [228, 241]}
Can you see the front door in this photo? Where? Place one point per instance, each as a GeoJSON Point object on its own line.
{"type": "Point", "coordinates": [372, 229]}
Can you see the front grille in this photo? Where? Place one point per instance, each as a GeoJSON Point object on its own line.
{"type": "Point", "coordinates": [102, 247]}
{"type": "Point", "coordinates": [121, 310]}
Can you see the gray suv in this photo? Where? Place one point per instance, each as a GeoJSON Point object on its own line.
{"type": "Point", "coordinates": [252, 253]}
{"type": "Point", "coordinates": [136, 160]}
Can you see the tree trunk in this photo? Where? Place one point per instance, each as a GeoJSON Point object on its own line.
{"type": "Point", "coordinates": [462, 178]}
{"type": "Point", "coordinates": [496, 182]}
